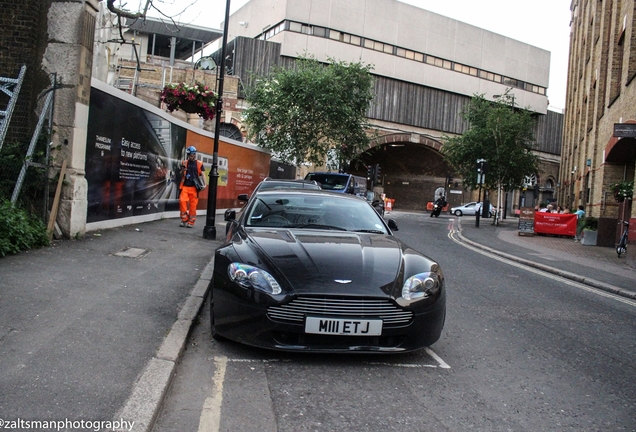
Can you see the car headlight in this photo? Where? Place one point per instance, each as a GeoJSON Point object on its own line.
{"type": "Point", "coordinates": [252, 277]}
{"type": "Point", "coordinates": [421, 286]}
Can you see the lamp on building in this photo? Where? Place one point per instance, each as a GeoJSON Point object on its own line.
{"type": "Point", "coordinates": [243, 23]}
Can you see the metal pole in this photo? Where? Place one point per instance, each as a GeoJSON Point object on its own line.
{"type": "Point", "coordinates": [480, 180]}
{"type": "Point", "coordinates": [505, 212]}
{"type": "Point", "coordinates": [209, 231]}
{"type": "Point", "coordinates": [478, 212]}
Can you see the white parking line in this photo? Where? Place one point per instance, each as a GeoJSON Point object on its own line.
{"type": "Point", "coordinates": [437, 358]}
{"type": "Point", "coordinates": [440, 363]}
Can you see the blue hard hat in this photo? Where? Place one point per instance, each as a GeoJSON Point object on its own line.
{"type": "Point", "coordinates": [191, 149]}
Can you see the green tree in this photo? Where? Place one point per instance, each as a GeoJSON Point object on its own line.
{"type": "Point", "coordinates": [312, 112]}
{"type": "Point", "coordinates": [502, 135]}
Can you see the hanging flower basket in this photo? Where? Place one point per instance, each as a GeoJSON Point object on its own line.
{"type": "Point", "coordinates": [196, 99]}
{"type": "Point", "coordinates": [623, 190]}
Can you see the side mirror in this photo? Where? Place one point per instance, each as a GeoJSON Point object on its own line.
{"type": "Point", "coordinates": [229, 215]}
{"type": "Point", "coordinates": [393, 225]}
{"type": "Point", "coordinates": [243, 197]}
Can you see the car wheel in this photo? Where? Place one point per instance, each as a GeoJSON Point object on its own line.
{"type": "Point", "coordinates": [215, 335]}
{"type": "Point", "coordinates": [458, 212]}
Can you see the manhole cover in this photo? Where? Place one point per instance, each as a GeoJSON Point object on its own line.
{"type": "Point", "coordinates": [131, 252]}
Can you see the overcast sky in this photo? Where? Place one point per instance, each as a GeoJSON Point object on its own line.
{"type": "Point", "coordinates": [542, 23]}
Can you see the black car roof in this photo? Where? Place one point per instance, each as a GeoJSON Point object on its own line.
{"type": "Point", "coordinates": [299, 191]}
{"type": "Point", "coordinates": [295, 184]}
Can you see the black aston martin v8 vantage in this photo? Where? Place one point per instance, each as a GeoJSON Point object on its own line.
{"type": "Point", "coordinates": [311, 270]}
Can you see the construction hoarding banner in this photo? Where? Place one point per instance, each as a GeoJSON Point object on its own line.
{"type": "Point", "coordinates": [133, 154]}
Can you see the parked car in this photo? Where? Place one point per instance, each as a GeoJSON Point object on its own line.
{"type": "Point", "coordinates": [340, 182]}
{"type": "Point", "coordinates": [470, 209]}
{"type": "Point", "coordinates": [270, 183]}
{"type": "Point", "coordinates": [313, 270]}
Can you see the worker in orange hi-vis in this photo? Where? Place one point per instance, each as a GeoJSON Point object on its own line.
{"type": "Point", "coordinates": [192, 182]}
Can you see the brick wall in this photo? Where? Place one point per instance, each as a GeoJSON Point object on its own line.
{"type": "Point", "coordinates": [23, 38]}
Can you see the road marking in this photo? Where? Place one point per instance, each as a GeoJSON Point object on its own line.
{"type": "Point", "coordinates": [210, 419]}
{"type": "Point", "coordinates": [437, 358]}
{"type": "Point", "coordinates": [258, 360]}
{"type": "Point", "coordinates": [402, 365]}
{"type": "Point", "coordinates": [440, 363]}
{"type": "Point", "coordinates": [451, 235]}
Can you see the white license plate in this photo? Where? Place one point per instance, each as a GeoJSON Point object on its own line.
{"type": "Point", "coordinates": [338, 326]}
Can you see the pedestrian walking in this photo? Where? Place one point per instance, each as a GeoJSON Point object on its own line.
{"type": "Point", "coordinates": [192, 182]}
{"type": "Point", "coordinates": [580, 221]}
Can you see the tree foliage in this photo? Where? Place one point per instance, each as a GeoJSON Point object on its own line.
{"type": "Point", "coordinates": [312, 112]}
{"type": "Point", "coordinates": [499, 133]}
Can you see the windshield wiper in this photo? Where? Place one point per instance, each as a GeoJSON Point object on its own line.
{"type": "Point", "coordinates": [319, 226]}
{"type": "Point", "coordinates": [370, 231]}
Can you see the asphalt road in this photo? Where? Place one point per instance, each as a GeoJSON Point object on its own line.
{"type": "Point", "coordinates": [521, 350]}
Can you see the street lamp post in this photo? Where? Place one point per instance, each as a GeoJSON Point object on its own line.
{"type": "Point", "coordinates": [480, 180]}
{"type": "Point", "coordinates": [209, 231]}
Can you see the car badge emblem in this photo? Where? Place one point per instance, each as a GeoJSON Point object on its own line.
{"type": "Point", "coordinates": [342, 281]}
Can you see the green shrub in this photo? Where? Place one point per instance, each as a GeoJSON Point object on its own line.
{"type": "Point", "coordinates": [591, 223]}
{"type": "Point", "coordinates": [19, 230]}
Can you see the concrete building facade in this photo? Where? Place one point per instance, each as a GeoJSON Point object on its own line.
{"type": "Point", "coordinates": [427, 68]}
{"type": "Point", "coordinates": [599, 145]}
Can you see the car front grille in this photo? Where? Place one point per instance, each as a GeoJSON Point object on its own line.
{"type": "Point", "coordinates": [296, 311]}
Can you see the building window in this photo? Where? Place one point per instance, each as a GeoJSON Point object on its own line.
{"type": "Point", "coordinates": [320, 31]}
{"type": "Point", "coordinates": [621, 56]}
{"type": "Point", "coordinates": [465, 69]}
{"type": "Point", "coordinates": [401, 52]}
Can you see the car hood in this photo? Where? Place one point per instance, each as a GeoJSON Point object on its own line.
{"type": "Point", "coordinates": [331, 262]}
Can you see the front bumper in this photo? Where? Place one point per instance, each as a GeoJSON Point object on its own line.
{"type": "Point", "coordinates": [247, 321]}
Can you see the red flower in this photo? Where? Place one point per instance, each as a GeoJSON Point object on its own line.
{"type": "Point", "coordinates": [197, 99]}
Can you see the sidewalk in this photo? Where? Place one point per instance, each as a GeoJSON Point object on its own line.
{"type": "Point", "coordinates": [84, 322]}
{"type": "Point", "coordinates": [594, 265]}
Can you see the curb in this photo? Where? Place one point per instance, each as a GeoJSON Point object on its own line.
{"type": "Point", "coordinates": [584, 280]}
{"type": "Point", "coordinates": [148, 392]}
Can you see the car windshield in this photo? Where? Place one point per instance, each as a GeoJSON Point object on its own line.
{"type": "Point", "coordinates": [308, 211]}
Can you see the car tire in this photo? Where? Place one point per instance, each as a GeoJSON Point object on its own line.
{"type": "Point", "coordinates": [458, 213]}
{"type": "Point", "coordinates": [215, 335]}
